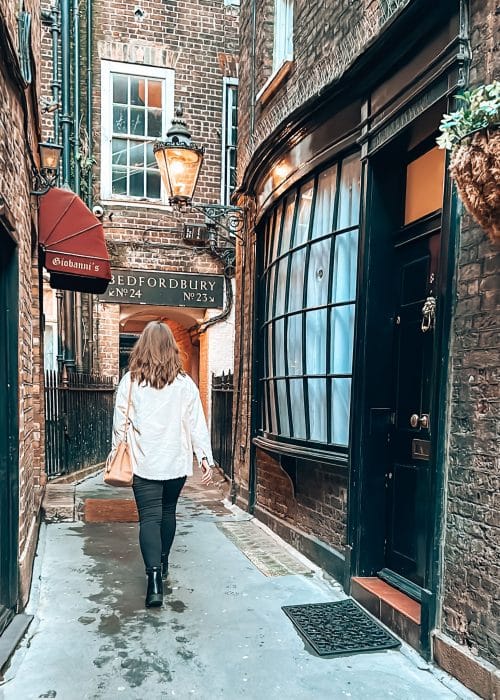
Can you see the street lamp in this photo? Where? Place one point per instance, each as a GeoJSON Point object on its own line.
{"type": "Point", "coordinates": [46, 176]}
{"type": "Point", "coordinates": [179, 161]}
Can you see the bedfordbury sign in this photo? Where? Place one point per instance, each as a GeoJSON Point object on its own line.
{"type": "Point", "coordinates": [164, 289]}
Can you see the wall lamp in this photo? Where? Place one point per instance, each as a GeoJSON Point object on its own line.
{"type": "Point", "coordinates": [46, 176]}
{"type": "Point", "coordinates": [179, 161]}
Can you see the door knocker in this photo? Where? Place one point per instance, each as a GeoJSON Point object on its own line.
{"type": "Point", "coordinates": [428, 314]}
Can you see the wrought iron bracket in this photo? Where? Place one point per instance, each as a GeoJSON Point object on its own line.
{"type": "Point", "coordinates": [231, 219]}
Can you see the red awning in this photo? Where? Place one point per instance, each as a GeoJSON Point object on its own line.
{"type": "Point", "coordinates": [72, 241]}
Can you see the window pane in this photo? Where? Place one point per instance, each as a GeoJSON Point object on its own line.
{"type": "Point", "coordinates": [136, 183]}
{"type": "Point", "coordinates": [119, 181]}
{"type": "Point", "coordinates": [119, 152]}
{"type": "Point", "coordinates": [316, 389]}
{"type": "Point", "coordinates": [345, 266]}
{"type": "Point", "coordinates": [265, 408]}
{"type": "Point", "coordinates": [325, 202]}
{"type": "Point", "coordinates": [153, 184]}
{"type": "Point", "coordinates": [154, 94]}
{"type": "Point", "coordinates": [294, 341]}
{"type": "Point", "coordinates": [295, 293]}
{"type": "Point", "coordinates": [120, 120]}
{"type": "Point", "coordinates": [317, 273]}
{"type": "Point", "coordinates": [303, 214]}
{"type": "Point", "coordinates": [150, 156]}
{"type": "Point", "coordinates": [341, 397]}
{"type": "Point", "coordinates": [277, 229]}
{"type": "Point", "coordinates": [137, 91]}
{"type": "Point", "coordinates": [350, 185]}
{"type": "Point", "coordinates": [120, 89]}
{"type": "Point", "coordinates": [316, 341]}
{"type": "Point", "coordinates": [425, 178]}
{"type": "Point", "coordinates": [283, 408]}
{"type": "Point", "coordinates": [268, 240]}
{"type": "Point", "coordinates": [270, 370]}
{"type": "Point", "coordinates": [297, 404]}
{"type": "Point", "coordinates": [342, 334]}
{"type": "Point", "coordinates": [281, 288]}
{"type": "Point", "coordinates": [137, 155]}
{"type": "Point", "coordinates": [137, 118]}
{"type": "Point", "coordinates": [279, 346]}
{"type": "Point", "coordinates": [287, 224]}
{"type": "Point", "coordinates": [155, 123]}
{"type": "Point", "coordinates": [271, 292]}
{"type": "Point", "coordinates": [272, 406]}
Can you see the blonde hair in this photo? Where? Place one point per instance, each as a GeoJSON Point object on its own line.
{"type": "Point", "coordinates": [155, 359]}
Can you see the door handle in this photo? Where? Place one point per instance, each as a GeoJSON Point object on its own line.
{"type": "Point", "coordinates": [422, 421]}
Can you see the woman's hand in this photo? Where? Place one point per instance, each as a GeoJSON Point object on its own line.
{"type": "Point", "coordinates": [206, 472]}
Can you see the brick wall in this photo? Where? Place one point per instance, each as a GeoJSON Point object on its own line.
{"type": "Point", "coordinates": [15, 186]}
{"type": "Point", "coordinates": [328, 37]}
{"type": "Point", "coordinates": [317, 505]}
{"type": "Point", "coordinates": [107, 339]}
{"type": "Point", "coordinates": [472, 543]}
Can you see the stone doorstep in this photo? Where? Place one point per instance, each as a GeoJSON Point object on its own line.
{"type": "Point", "coordinates": [59, 503]}
{"type": "Point", "coordinates": [476, 674]}
{"type": "Point", "coordinates": [397, 611]}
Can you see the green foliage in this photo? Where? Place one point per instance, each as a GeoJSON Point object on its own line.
{"type": "Point", "coordinates": [480, 109]}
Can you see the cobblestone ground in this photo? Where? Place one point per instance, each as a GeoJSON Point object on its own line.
{"type": "Point", "coordinates": [220, 634]}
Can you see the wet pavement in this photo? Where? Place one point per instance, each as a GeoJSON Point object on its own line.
{"type": "Point", "coordinates": [220, 634]}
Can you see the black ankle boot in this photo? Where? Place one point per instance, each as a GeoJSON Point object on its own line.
{"type": "Point", "coordinates": [154, 595]}
{"type": "Point", "coordinates": [164, 566]}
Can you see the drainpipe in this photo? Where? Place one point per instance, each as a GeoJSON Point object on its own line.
{"type": "Point", "coordinates": [69, 355]}
{"type": "Point", "coordinates": [66, 91]}
{"type": "Point", "coordinates": [90, 198]}
{"type": "Point", "coordinates": [76, 168]}
{"type": "Point", "coordinates": [89, 101]}
{"type": "Point", "coordinates": [76, 96]}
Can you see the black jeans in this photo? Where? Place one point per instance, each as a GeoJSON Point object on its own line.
{"type": "Point", "coordinates": [156, 503]}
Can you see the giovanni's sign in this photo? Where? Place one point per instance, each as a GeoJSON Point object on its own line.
{"type": "Point", "coordinates": [164, 289]}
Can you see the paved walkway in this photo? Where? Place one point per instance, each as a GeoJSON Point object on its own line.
{"type": "Point", "coordinates": [220, 634]}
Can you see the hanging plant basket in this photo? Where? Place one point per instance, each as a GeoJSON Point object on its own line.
{"type": "Point", "coordinates": [472, 134]}
{"type": "Point", "coordinates": [475, 167]}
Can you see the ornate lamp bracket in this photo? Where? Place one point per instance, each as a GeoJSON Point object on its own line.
{"type": "Point", "coordinates": [231, 219]}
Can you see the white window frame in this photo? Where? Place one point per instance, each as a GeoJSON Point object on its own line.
{"type": "Point", "coordinates": [224, 189]}
{"type": "Point", "coordinates": [283, 33]}
{"type": "Point", "coordinates": [108, 68]}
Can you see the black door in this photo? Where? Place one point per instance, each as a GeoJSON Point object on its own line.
{"type": "Point", "coordinates": [409, 475]}
{"type": "Point", "coordinates": [8, 429]}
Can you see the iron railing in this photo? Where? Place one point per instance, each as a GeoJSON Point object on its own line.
{"type": "Point", "coordinates": [222, 420]}
{"type": "Point", "coordinates": [78, 421]}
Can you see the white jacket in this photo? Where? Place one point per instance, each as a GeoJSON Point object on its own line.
{"type": "Point", "coordinates": [166, 426]}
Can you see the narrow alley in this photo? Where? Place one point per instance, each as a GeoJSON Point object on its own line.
{"type": "Point", "coordinates": [220, 634]}
{"type": "Point", "coordinates": [260, 239]}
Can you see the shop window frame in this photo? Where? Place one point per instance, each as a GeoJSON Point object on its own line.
{"type": "Point", "coordinates": [268, 396]}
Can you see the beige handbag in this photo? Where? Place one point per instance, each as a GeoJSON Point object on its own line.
{"type": "Point", "coordinates": [118, 470]}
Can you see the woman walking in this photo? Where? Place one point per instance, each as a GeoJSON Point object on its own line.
{"type": "Point", "coordinates": [166, 426]}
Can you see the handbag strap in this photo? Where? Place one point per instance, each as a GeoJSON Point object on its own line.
{"type": "Point", "coordinates": [125, 429]}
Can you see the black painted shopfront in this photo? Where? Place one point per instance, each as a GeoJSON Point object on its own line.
{"type": "Point", "coordinates": [356, 227]}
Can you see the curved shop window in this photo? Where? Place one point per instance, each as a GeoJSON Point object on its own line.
{"type": "Point", "coordinates": [308, 285]}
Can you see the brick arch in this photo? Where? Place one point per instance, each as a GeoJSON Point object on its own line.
{"type": "Point", "coordinates": [189, 349]}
